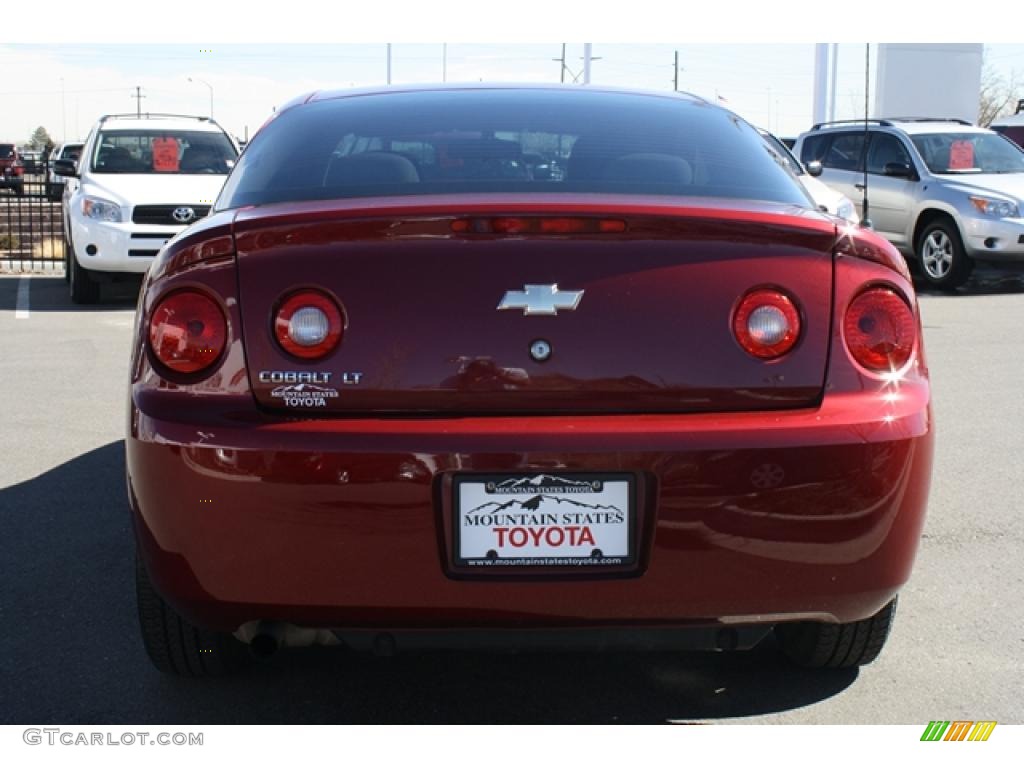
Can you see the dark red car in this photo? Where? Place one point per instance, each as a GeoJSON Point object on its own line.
{"type": "Point", "coordinates": [12, 171]}
{"type": "Point", "coordinates": [398, 390]}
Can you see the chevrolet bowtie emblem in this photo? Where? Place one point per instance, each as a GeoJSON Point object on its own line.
{"type": "Point", "coordinates": [541, 300]}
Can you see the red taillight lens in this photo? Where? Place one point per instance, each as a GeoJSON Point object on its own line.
{"type": "Point", "coordinates": [766, 324]}
{"type": "Point", "coordinates": [308, 325]}
{"type": "Point", "coordinates": [187, 332]}
{"type": "Point", "coordinates": [879, 329]}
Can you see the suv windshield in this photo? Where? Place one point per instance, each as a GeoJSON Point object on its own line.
{"type": "Point", "coordinates": [164, 152]}
{"type": "Point", "coordinates": [969, 153]}
{"type": "Point", "coordinates": [506, 140]}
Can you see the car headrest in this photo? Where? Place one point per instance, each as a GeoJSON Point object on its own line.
{"type": "Point", "coordinates": [371, 168]}
{"type": "Point", "coordinates": [649, 167]}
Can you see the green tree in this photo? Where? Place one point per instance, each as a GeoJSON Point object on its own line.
{"type": "Point", "coordinates": [40, 139]}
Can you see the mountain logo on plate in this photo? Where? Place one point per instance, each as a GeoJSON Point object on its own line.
{"type": "Point", "coordinates": [541, 484]}
{"type": "Point", "coordinates": [304, 395]}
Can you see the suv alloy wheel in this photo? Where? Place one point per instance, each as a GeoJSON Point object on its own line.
{"type": "Point", "coordinates": [940, 253]}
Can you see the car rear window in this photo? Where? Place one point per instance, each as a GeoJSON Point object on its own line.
{"type": "Point", "coordinates": [501, 141]}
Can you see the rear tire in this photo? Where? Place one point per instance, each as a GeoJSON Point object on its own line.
{"type": "Point", "coordinates": [836, 646]}
{"type": "Point", "coordinates": [940, 252]}
{"type": "Point", "coordinates": [84, 287]}
{"type": "Point", "coordinates": [177, 647]}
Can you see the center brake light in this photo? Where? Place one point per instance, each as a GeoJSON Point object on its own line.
{"type": "Point", "coordinates": [766, 323]}
{"type": "Point", "coordinates": [308, 325]}
{"type": "Point", "coordinates": [537, 225]}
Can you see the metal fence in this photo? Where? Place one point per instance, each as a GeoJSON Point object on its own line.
{"type": "Point", "coordinates": [31, 224]}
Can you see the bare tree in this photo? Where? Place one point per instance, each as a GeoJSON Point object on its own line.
{"type": "Point", "coordinates": [997, 96]}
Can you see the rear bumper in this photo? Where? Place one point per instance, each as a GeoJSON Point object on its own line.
{"type": "Point", "coordinates": [746, 519]}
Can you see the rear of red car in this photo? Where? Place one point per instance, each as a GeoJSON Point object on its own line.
{"type": "Point", "coordinates": [404, 388]}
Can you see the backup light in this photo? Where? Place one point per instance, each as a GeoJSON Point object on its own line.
{"type": "Point", "coordinates": [766, 324]}
{"type": "Point", "coordinates": [308, 325]}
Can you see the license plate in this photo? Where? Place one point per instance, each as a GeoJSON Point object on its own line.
{"type": "Point", "coordinates": [564, 520]}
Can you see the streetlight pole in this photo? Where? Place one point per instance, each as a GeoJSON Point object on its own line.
{"type": "Point", "coordinates": [198, 80]}
{"type": "Point", "coordinates": [63, 114]}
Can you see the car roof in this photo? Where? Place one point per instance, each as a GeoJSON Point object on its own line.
{"type": "Point", "coordinates": [328, 94]}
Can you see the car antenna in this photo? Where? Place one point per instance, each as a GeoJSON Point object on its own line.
{"type": "Point", "coordinates": [865, 220]}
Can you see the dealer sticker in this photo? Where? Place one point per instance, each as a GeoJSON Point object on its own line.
{"type": "Point", "coordinates": [544, 519]}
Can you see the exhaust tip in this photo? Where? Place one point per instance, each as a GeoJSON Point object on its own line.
{"type": "Point", "coordinates": [264, 645]}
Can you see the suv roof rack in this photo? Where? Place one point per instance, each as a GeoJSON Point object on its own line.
{"type": "Point", "coordinates": [137, 115]}
{"type": "Point", "coordinates": [889, 122]}
{"type": "Point", "coordinates": [930, 120]}
{"type": "Point", "coordinates": [860, 121]}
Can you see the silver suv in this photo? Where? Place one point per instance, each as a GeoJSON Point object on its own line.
{"type": "Point", "coordinates": [944, 192]}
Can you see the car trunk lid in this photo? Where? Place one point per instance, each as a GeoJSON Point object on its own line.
{"type": "Point", "coordinates": [421, 281]}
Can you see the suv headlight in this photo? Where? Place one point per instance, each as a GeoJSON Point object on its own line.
{"type": "Point", "coordinates": [100, 209]}
{"type": "Point", "coordinates": [1002, 209]}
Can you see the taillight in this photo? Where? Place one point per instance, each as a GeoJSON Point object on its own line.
{"type": "Point", "coordinates": [766, 324]}
{"type": "Point", "coordinates": [879, 329]}
{"type": "Point", "coordinates": [187, 332]}
{"type": "Point", "coordinates": [309, 325]}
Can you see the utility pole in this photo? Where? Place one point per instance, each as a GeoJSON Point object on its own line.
{"type": "Point", "coordinates": [835, 73]}
{"type": "Point", "coordinates": [819, 111]}
{"type": "Point", "coordinates": [63, 114]}
{"type": "Point", "coordinates": [389, 63]}
{"type": "Point", "coordinates": [138, 100]}
{"type": "Point", "coordinates": [587, 51]}
{"type": "Point", "coordinates": [562, 62]}
{"type": "Point", "coordinates": [675, 76]}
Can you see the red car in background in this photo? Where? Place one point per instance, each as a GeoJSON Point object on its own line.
{"type": "Point", "coordinates": [12, 172]}
{"type": "Point", "coordinates": [398, 390]}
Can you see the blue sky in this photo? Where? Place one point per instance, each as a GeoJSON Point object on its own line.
{"type": "Point", "coordinates": [769, 84]}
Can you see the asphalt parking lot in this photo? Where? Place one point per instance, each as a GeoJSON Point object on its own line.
{"type": "Point", "coordinates": [70, 651]}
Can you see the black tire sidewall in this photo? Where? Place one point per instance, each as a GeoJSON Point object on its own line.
{"type": "Point", "coordinates": [83, 287]}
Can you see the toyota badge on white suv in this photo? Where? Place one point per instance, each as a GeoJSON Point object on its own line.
{"type": "Point", "coordinates": [142, 179]}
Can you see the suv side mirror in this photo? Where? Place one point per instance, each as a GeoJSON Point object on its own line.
{"type": "Point", "coordinates": [899, 170]}
{"type": "Point", "coordinates": [65, 168]}
{"type": "Point", "coordinates": [814, 168]}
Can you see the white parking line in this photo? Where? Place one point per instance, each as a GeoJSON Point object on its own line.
{"type": "Point", "coordinates": [21, 308]}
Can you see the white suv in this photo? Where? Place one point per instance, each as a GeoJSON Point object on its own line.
{"type": "Point", "coordinates": [142, 179]}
